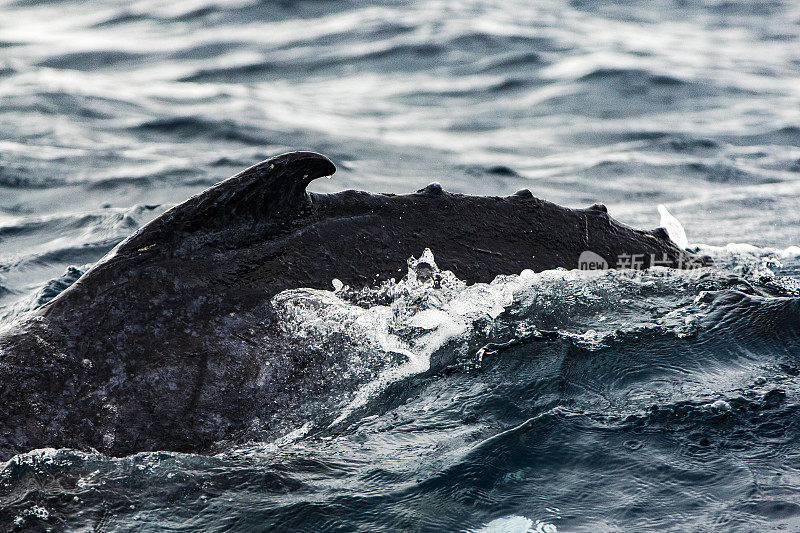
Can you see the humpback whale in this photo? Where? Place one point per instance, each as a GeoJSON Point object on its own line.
{"type": "Point", "coordinates": [170, 342]}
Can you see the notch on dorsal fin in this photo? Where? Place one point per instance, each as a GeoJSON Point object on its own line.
{"type": "Point", "coordinates": [271, 189]}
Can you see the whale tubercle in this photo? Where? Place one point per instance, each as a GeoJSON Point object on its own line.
{"type": "Point", "coordinates": [432, 188]}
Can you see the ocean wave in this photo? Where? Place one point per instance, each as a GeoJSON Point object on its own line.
{"type": "Point", "coordinates": [633, 78]}
{"type": "Point", "coordinates": [712, 436]}
{"type": "Point", "coordinates": [21, 177]}
{"type": "Point", "coordinates": [385, 46]}
{"type": "Point", "coordinates": [506, 61]}
{"type": "Point", "coordinates": [500, 171]}
{"type": "Point", "coordinates": [55, 287]}
{"type": "Point", "coordinates": [173, 176]}
{"type": "Point", "coordinates": [119, 18]}
{"type": "Point", "coordinates": [39, 254]}
{"type": "Point", "coordinates": [627, 92]}
{"type": "Point", "coordinates": [726, 172]}
{"type": "Point", "coordinates": [188, 127]}
{"type": "Point", "coordinates": [60, 103]}
{"type": "Point", "coordinates": [786, 136]}
{"type": "Point", "coordinates": [90, 61]}
{"type": "Point", "coordinates": [89, 224]}
{"type": "Point", "coordinates": [400, 56]}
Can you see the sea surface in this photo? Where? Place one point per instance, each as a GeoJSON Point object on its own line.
{"type": "Point", "coordinates": [562, 401]}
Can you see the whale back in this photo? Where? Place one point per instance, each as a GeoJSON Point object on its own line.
{"type": "Point", "coordinates": [163, 343]}
{"type": "Point", "coordinates": [259, 232]}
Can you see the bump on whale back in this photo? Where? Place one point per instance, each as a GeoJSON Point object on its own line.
{"type": "Point", "coordinates": [272, 189]}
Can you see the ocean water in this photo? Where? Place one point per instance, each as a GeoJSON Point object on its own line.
{"type": "Point", "coordinates": [559, 401]}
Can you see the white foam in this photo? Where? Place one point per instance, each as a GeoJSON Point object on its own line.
{"type": "Point", "coordinates": [516, 524]}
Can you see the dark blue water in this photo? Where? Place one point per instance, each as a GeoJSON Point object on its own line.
{"type": "Point", "coordinates": [664, 401]}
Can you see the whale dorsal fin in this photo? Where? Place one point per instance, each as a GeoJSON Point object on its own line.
{"type": "Point", "coordinates": [273, 188]}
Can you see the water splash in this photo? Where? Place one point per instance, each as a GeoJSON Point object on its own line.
{"type": "Point", "coordinates": [430, 320]}
{"type": "Point", "coordinates": [673, 226]}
